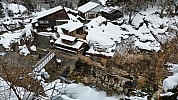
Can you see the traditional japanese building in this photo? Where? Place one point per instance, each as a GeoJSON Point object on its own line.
{"type": "Point", "coordinates": [46, 20]}
{"type": "Point", "coordinates": [90, 10]}
{"type": "Point", "coordinates": [69, 44]}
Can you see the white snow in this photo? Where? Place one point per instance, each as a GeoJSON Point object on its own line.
{"type": "Point", "coordinates": [58, 60]}
{"type": "Point", "coordinates": [167, 94]}
{"type": "Point", "coordinates": [137, 98]}
{"type": "Point", "coordinates": [7, 38]}
{"type": "Point", "coordinates": [76, 45]}
{"type": "Point", "coordinates": [109, 53]}
{"type": "Point", "coordinates": [37, 74]}
{"type": "Point", "coordinates": [71, 25]}
{"type": "Point", "coordinates": [53, 34]}
{"type": "Point", "coordinates": [170, 82]}
{"type": "Point", "coordinates": [46, 12]}
{"type": "Point", "coordinates": [103, 2]}
{"type": "Point", "coordinates": [74, 92]}
{"type": "Point", "coordinates": [106, 34]}
{"type": "Point", "coordinates": [24, 50]}
{"type": "Point", "coordinates": [15, 8]}
{"type": "Point", "coordinates": [8, 94]}
{"type": "Point", "coordinates": [33, 48]}
{"type": "Point", "coordinates": [175, 68]}
{"type": "Point", "coordinates": [27, 30]}
{"type": "Point", "coordinates": [2, 53]}
{"type": "Point", "coordinates": [88, 6]}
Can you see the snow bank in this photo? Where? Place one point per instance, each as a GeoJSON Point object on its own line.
{"type": "Point", "coordinates": [7, 38]}
{"type": "Point", "coordinates": [170, 82]}
{"type": "Point", "coordinates": [74, 92]}
{"type": "Point", "coordinates": [27, 31]}
{"type": "Point", "coordinates": [15, 8]}
{"type": "Point", "coordinates": [24, 50]}
{"type": "Point", "coordinates": [137, 98]}
{"type": "Point", "coordinates": [167, 94]}
{"type": "Point", "coordinates": [175, 68]}
{"type": "Point", "coordinates": [8, 94]}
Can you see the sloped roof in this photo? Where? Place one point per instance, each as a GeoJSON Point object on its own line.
{"type": "Point", "coordinates": [67, 37]}
{"type": "Point", "coordinates": [46, 12]}
{"type": "Point", "coordinates": [71, 26]}
{"type": "Point", "coordinates": [88, 6]}
{"type": "Point", "coordinates": [77, 45]}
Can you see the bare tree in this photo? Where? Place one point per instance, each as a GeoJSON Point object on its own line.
{"type": "Point", "coordinates": [15, 76]}
{"type": "Point", "coordinates": [133, 7]}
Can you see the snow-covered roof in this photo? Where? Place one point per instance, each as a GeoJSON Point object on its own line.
{"type": "Point", "coordinates": [70, 26]}
{"type": "Point", "coordinates": [106, 33]}
{"type": "Point", "coordinates": [103, 35]}
{"type": "Point", "coordinates": [67, 37]}
{"type": "Point", "coordinates": [109, 9]}
{"type": "Point", "coordinates": [48, 34]}
{"type": "Point", "coordinates": [77, 45]}
{"type": "Point", "coordinates": [46, 12]}
{"type": "Point", "coordinates": [88, 6]}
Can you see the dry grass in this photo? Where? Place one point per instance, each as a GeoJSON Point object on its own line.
{"type": "Point", "coordinates": [17, 74]}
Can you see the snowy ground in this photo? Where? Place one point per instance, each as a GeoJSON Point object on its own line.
{"type": "Point", "coordinates": [7, 38]}
{"type": "Point", "coordinates": [75, 92]}
{"type": "Point", "coordinates": [106, 34]}
{"type": "Point", "coordinates": [172, 81]}
{"type": "Point", "coordinates": [6, 93]}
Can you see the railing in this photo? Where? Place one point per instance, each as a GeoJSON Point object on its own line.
{"type": "Point", "coordinates": [45, 60]}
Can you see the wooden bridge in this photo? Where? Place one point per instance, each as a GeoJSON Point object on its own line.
{"type": "Point", "coordinates": [44, 61]}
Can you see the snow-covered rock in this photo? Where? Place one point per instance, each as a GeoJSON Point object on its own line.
{"type": "Point", "coordinates": [170, 82]}
{"type": "Point", "coordinates": [24, 50]}
{"type": "Point", "coordinates": [33, 48]}
{"type": "Point", "coordinates": [15, 8]}
{"type": "Point", "coordinates": [6, 38]}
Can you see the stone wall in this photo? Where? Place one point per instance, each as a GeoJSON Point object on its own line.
{"type": "Point", "coordinates": [95, 74]}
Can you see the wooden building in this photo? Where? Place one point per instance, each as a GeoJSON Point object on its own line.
{"type": "Point", "coordinates": [69, 44]}
{"type": "Point", "coordinates": [90, 10]}
{"type": "Point", "coordinates": [46, 20]}
{"type": "Point", "coordinates": [72, 28]}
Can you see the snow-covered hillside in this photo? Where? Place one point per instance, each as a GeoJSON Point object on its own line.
{"type": "Point", "coordinates": [146, 26]}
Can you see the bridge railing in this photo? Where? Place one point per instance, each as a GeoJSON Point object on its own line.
{"type": "Point", "coordinates": [45, 60]}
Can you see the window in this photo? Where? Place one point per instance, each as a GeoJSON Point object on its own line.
{"type": "Point", "coordinates": [43, 21]}
{"type": "Point", "coordinates": [91, 15]}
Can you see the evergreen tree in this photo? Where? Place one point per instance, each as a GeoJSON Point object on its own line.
{"type": "Point", "coordinates": [81, 2]}
{"type": "Point", "coordinates": [28, 4]}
